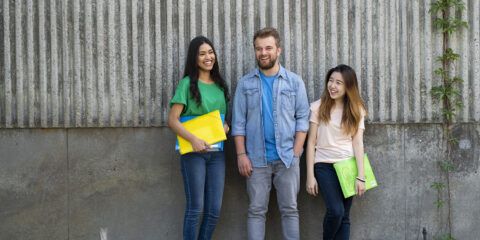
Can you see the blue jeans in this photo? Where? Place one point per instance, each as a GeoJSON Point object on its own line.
{"type": "Point", "coordinates": [336, 224]}
{"type": "Point", "coordinates": [203, 179]}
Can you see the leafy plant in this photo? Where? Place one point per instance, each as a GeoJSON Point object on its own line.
{"type": "Point", "coordinates": [447, 92]}
{"type": "Point", "coordinates": [444, 237]}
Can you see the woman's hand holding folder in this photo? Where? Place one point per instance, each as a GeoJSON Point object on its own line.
{"type": "Point", "coordinates": [359, 188]}
{"type": "Point", "coordinates": [199, 145]}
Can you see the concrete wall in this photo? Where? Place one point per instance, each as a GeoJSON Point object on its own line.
{"type": "Point", "coordinates": [71, 183]}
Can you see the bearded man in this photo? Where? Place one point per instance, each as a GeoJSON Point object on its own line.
{"type": "Point", "coordinates": [270, 123]}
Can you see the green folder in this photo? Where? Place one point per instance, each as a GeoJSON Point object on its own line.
{"type": "Point", "coordinates": [347, 174]}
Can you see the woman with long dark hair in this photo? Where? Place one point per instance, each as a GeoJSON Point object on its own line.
{"type": "Point", "coordinates": [335, 134]}
{"type": "Point", "coordinates": [202, 90]}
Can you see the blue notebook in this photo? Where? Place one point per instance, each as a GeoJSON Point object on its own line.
{"type": "Point", "coordinates": [214, 147]}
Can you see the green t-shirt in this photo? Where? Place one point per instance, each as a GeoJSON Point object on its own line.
{"type": "Point", "coordinates": [212, 98]}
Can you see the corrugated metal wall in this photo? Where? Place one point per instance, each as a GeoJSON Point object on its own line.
{"type": "Point", "coordinates": [86, 63]}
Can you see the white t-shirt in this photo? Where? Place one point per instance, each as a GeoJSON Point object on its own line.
{"type": "Point", "coordinates": [332, 144]}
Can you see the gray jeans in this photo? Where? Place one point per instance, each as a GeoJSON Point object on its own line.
{"type": "Point", "coordinates": [287, 184]}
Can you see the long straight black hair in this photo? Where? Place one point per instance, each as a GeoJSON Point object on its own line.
{"type": "Point", "coordinates": [191, 69]}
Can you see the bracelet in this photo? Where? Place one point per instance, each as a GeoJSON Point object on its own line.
{"type": "Point", "coordinates": [239, 154]}
{"type": "Point", "coordinates": [361, 180]}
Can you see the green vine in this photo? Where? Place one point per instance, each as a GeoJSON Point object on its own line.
{"type": "Point", "coordinates": [448, 93]}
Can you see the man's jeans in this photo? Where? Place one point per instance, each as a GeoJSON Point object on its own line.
{"type": "Point", "coordinates": [203, 178]}
{"type": "Point", "coordinates": [336, 224]}
{"type": "Point", "coordinates": [287, 184]}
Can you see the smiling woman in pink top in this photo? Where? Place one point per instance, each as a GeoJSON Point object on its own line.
{"type": "Point", "coordinates": [335, 134]}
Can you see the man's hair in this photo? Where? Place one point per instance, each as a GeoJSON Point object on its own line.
{"type": "Point", "coordinates": [267, 32]}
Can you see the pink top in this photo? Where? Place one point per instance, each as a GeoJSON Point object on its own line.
{"type": "Point", "coordinates": [332, 145]}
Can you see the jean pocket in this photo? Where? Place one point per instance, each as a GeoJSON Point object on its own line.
{"type": "Point", "coordinates": [295, 161]}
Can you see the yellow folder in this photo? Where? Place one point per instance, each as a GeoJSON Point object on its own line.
{"type": "Point", "coordinates": [208, 127]}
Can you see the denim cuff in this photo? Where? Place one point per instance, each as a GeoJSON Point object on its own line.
{"type": "Point", "coordinates": [302, 126]}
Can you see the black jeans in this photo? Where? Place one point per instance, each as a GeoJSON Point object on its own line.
{"type": "Point", "coordinates": [336, 224]}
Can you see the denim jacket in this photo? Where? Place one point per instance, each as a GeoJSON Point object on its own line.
{"type": "Point", "coordinates": [290, 114]}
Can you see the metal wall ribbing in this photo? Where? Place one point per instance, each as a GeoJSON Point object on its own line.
{"type": "Point", "coordinates": [76, 63]}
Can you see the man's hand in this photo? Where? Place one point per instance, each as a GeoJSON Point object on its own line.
{"type": "Point", "coordinates": [244, 165]}
{"type": "Point", "coordinates": [297, 152]}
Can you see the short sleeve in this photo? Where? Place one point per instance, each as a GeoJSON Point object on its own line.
{"type": "Point", "coordinates": [181, 92]}
{"type": "Point", "coordinates": [314, 112]}
{"type": "Point", "coordinates": [361, 124]}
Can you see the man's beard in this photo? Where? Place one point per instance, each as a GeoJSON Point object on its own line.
{"type": "Point", "coordinates": [267, 65]}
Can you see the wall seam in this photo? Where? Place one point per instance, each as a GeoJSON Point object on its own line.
{"type": "Point", "coordinates": [404, 182]}
{"type": "Point", "coordinates": [68, 186]}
